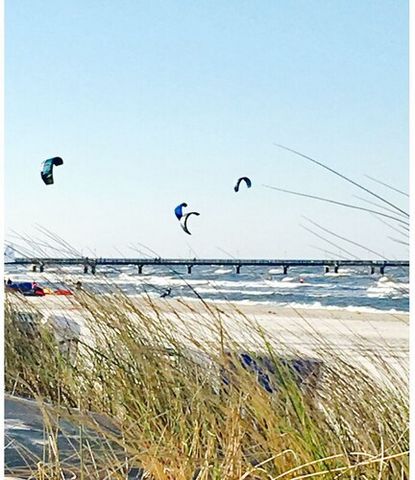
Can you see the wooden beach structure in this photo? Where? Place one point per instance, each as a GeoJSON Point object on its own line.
{"type": "Point", "coordinates": [91, 264]}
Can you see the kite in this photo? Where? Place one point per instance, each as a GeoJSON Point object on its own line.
{"type": "Point", "coordinates": [246, 180]}
{"type": "Point", "coordinates": [47, 169]}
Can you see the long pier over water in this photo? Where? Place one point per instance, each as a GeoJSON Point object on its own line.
{"type": "Point", "coordinates": [91, 264]}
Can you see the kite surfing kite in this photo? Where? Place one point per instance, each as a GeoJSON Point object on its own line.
{"type": "Point", "coordinates": [183, 217]}
{"type": "Point", "coordinates": [246, 180]}
{"type": "Point", "coordinates": [47, 169]}
{"type": "Point", "coordinates": [179, 210]}
{"type": "Point", "coordinates": [184, 220]}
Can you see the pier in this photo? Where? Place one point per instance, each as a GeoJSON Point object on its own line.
{"type": "Point", "coordinates": [92, 264]}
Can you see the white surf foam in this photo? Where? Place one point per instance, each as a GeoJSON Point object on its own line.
{"type": "Point", "coordinates": [387, 287]}
{"type": "Point", "coordinates": [223, 271]}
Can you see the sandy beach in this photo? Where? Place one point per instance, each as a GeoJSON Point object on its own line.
{"type": "Point", "coordinates": [358, 335]}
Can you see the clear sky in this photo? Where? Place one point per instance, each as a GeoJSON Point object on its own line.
{"type": "Point", "coordinates": [154, 103]}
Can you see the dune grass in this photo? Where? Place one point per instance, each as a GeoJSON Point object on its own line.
{"type": "Point", "coordinates": [179, 405]}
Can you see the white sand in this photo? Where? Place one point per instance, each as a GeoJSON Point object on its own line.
{"type": "Point", "coordinates": [358, 335]}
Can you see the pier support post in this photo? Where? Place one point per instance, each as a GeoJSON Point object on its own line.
{"type": "Point", "coordinates": [93, 268]}
{"type": "Point", "coordinates": [238, 269]}
{"type": "Point", "coordinates": [189, 269]}
{"type": "Point", "coordinates": [85, 268]}
{"type": "Point", "coordinates": [336, 269]}
{"type": "Point", "coordinates": [140, 269]}
{"type": "Point", "coordinates": [285, 269]}
{"type": "Point", "coordinates": [372, 270]}
{"type": "Point", "coordinates": [326, 269]}
{"type": "Point", "coordinates": [41, 268]}
{"type": "Point", "coordinates": [382, 270]}
{"type": "Point", "coordinates": [34, 268]}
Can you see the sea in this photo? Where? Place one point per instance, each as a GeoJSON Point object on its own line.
{"type": "Point", "coordinates": [307, 287]}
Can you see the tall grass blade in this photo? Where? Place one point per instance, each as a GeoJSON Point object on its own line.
{"type": "Point", "coordinates": [343, 177]}
{"type": "Point", "coordinates": [335, 202]}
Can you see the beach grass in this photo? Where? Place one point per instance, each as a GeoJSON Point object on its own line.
{"type": "Point", "coordinates": [175, 402]}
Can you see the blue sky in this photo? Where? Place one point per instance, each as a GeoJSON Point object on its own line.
{"type": "Point", "coordinates": [152, 103]}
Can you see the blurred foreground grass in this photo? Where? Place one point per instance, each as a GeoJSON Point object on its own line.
{"type": "Point", "coordinates": [175, 404]}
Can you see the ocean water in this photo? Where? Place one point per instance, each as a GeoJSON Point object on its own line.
{"type": "Point", "coordinates": [309, 287]}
